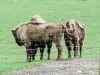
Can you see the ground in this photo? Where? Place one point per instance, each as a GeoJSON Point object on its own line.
{"type": "Point", "coordinates": [88, 66]}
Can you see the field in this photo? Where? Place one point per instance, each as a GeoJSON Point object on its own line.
{"type": "Point", "coordinates": [13, 12]}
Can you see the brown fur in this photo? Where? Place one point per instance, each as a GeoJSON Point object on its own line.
{"type": "Point", "coordinates": [37, 18]}
{"type": "Point", "coordinates": [79, 34]}
{"type": "Point", "coordinates": [30, 31]}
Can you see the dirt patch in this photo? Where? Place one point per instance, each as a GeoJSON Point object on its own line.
{"type": "Point", "coordinates": [89, 66]}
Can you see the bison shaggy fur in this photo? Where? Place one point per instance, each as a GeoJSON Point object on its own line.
{"type": "Point", "coordinates": [78, 38]}
{"type": "Point", "coordinates": [28, 32]}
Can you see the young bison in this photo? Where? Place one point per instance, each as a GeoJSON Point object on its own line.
{"type": "Point", "coordinates": [28, 32]}
{"type": "Point", "coordinates": [79, 34]}
{"type": "Point", "coordinates": [40, 43]}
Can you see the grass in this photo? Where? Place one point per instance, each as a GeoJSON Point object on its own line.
{"type": "Point", "coordinates": [14, 12]}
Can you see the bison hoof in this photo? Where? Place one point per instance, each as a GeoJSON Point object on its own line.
{"type": "Point", "coordinates": [33, 59]}
{"type": "Point", "coordinates": [75, 57]}
{"type": "Point", "coordinates": [48, 58]}
{"type": "Point", "coordinates": [80, 56]}
{"type": "Point", "coordinates": [69, 56]}
{"type": "Point", "coordinates": [59, 58]}
{"type": "Point", "coordinates": [41, 58]}
{"type": "Point", "coordinates": [28, 60]}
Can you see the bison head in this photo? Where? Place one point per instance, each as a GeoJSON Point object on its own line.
{"type": "Point", "coordinates": [67, 31]}
{"type": "Point", "coordinates": [18, 41]}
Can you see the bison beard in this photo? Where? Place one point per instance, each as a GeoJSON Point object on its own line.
{"type": "Point", "coordinates": [18, 41]}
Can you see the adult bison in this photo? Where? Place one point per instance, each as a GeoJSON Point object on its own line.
{"type": "Point", "coordinates": [40, 43]}
{"type": "Point", "coordinates": [78, 31]}
{"type": "Point", "coordinates": [28, 32]}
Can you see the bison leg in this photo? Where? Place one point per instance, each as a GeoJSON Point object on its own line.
{"type": "Point", "coordinates": [68, 44]}
{"type": "Point", "coordinates": [42, 46]}
{"type": "Point", "coordinates": [59, 47]}
{"type": "Point", "coordinates": [81, 45]}
{"type": "Point", "coordinates": [49, 45]}
{"type": "Point", "coordinates": [29, 53]}
{"type": "Point", "coordinates": [41, 53]}
{"type": "Point", "coordinates": [34, 51]}
{"type": "Point", "coordinates": [75, 48]}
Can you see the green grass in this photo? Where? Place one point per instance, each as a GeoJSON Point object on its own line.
{"type": "Point", "coordinates": [14, 12]}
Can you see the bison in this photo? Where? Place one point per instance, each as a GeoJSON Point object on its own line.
{"type": "Point", "coordinates": [40, 43]}
{"type": "Point", "coordinates": [28, 32]}
{"type": "Point", "coordinates": [78, 30]}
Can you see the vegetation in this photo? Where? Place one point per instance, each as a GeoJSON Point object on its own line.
{"type": "Point", "coordinates": [14, 12]}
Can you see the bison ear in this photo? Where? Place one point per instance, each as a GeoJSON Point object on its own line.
{"type": "Point", "coordinates": [63, 27]}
